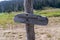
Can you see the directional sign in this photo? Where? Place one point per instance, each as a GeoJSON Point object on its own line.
{"type": "Point", "coordinates": [31, 19]}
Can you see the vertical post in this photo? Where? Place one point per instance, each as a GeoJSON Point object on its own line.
{"type": "Point", "coordinates": [28, 6]}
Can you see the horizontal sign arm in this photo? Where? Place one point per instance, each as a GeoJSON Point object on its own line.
{"type": "Point", "coordinates": [30, 16]}
{"type": "Point", "coordinates": [32, 19]}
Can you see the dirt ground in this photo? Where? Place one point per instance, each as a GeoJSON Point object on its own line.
{"type": "Point", "coordinates": [18, 31]}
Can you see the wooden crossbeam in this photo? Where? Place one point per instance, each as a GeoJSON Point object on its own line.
{"type": "Point", "coordinates": [32, 19]}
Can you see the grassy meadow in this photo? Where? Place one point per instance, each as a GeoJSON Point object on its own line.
{"type": "Point", "coordinates": [48, 12]}
{"type": "Point", "coordinates": [9, 30]}
{"type": "Point", "coordinates": [6, 18]}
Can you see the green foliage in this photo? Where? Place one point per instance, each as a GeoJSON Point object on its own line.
{"type": "Point", "coordinates": [17, 5]}
{"type": "Point", "coordinates": [6, 18]}
{"type": "Point", "coordinates": [49, 13]}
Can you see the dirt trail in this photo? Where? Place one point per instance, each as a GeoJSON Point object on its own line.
{"type": "Point", "coordinates": [48, 32]}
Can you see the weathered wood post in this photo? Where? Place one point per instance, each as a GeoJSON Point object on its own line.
{"type": "Point", "coordinates": [28, 6]}
{"type": "Point", "coordinates": [30, 19]}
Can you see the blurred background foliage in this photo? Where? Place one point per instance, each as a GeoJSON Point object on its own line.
{"type": "Point", "coordinates": [17, 5]}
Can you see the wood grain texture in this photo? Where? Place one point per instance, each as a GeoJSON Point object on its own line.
{"type": "Point", "coordinates": [28, 7]}
{"type": "Point", "coordinates": [32, 19]}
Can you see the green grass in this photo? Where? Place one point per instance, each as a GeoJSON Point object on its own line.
{"type": "Point", "coordinates": [6, 18]}
{"type": "Point", "coordinates": [48, 13]}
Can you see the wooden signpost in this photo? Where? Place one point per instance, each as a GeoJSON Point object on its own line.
{"type": "Point", "coordinates": [30, 19]}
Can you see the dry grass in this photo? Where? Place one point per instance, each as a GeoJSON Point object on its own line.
{"type": "Point", "coordinates": [9, 30]}
{"type": "Point", "coordinates": [18, 32]}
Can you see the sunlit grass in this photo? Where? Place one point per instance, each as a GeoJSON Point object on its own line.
{"type": "Point", "coordinates": [48, 13]}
